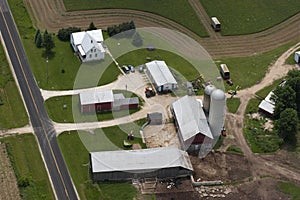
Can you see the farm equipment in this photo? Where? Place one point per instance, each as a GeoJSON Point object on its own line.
{"type": "Point", "coordinates": [149, 92]}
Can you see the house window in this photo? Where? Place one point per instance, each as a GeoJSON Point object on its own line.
{"type": "Point", "coordinates": [91, 41]}
{"type": "Point", "coordinates": [94, 50]}
{"type": "Point", "coordinates": [90, 55]}
{"type": "Point", "coordinates": [95, 55]}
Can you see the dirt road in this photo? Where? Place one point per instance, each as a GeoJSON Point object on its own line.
{"type": "Point", "coordinates": [235, 123]}
{"type": "Point", "coordinates": [51, 14]}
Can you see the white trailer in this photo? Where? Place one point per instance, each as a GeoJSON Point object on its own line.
{"type": "Point", "coordinates": [215, 24]}
{"type": "Point", "coordinates": [297, 57]}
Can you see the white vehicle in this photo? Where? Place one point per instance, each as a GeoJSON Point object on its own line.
{"type": "Point", "coordinates": [297, 57]}
{"type": "Point", "coordinates": [216, 25]}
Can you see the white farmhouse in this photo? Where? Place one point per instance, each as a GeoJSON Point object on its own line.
{"type": "Point", "coordinates": [88, 45]}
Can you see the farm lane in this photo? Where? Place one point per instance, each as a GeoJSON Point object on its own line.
{"type": "Point", "coordinates": [235, 122]}
{"type": "Point", "coordinates": [55, 16]}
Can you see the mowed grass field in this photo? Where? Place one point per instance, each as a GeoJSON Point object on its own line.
{"type": "Point", "coordinates": [12, 110]}
{"type": "Point", "coordinates": [250, 16]}
{"type": "Point", "coordinates": [28, 164]}
{"type": "Point", "coordinates": [176, 10]}
{"type": "Point", "coordinates": [77, 163]}
{"type": "Point", "coordinates": [248, 71]}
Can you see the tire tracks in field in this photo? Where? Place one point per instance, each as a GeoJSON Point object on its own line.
{"type": "Point", "coordinates": [52, 15]}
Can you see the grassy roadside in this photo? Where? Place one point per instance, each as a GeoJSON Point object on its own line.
{"type": "Point", "coordinates": [28, 166]}
{"type": "Point", "coordinates": [12, 110]}
{"type": "Point", "coordinates": [233, 104]}
{"type": "Point", "coordinates": [250, 16]}
{"type": "Point", "coordinates": [77, 163]}
{"type": "Point", "coordinates": [179, 10]}
{"type": "Point", "coordinates": [63, 59]}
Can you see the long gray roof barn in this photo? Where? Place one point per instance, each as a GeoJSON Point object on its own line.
{"type": "Point", "coordinates": [143, 163]}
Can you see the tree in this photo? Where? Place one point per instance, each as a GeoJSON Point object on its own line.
{"type": "Point", "coordinates": [39, 41]}
{"type": "Point", "coordinates": [137, 40]}
{"type": "Point", "coordinates": [287, 125]}
{"type": "Point", "coordinates": [48, 42]}
{"type": "Point", "coordinates": [65, 33]}
{"type": "Point", "coordinates": [92, 27]}
{"type": "Point", "coordinates": [293, 80]}
{"type": "Point", "coordinates": [38, 32]}
{"type": "Point", "coordinates": [284, 97]}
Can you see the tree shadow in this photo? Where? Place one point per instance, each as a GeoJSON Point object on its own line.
{"type": "Point", "coordinates": [50, 55]}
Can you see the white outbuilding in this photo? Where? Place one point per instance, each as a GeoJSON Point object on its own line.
{"type": "Point", "coordinates": [88, 45]}
{"type": "Point", "coordinates": [161, 76]}
{"type": "Point", "coordinates": [297, 57]}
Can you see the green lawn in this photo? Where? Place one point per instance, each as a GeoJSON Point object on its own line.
{"type": "Point", "coordinates": [178, 10]}
{"type": "Point", "coordinates": [290, 60]}
{"type": "Point", "coordinates": [247, 71]}
{"type": "Point", "coordinates": [77, 163]}
{"type": "Point", "coordinates": [259, 140]}
{"type": "Point", "coordinates": [27, 163]}
{"type": "Point", "coordinates": [67, 109]}
{"type": "Point", "coordinates": [265, 91]}
{"type": "Point", "coordinates": [250, 16]}
{"type": "Point", "coordinates": [62, 59]}
{"type": "Point", "coordinates": [233, 104]}
{"type": "Point", "coordinates": [12, 110]}
{"type": "Point", "coordinates": [176, 62]}
{"type": "Point", "coordinates": [290, 189]}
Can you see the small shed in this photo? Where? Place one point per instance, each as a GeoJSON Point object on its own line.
{"type": "Point", "coordinates": [297, 57]}
{"type": "Point", "coordinates": [155, 118]}
{"type": "Point", "coordinates": [161, 76]}
{"type": "Point", "coordinates": [166, 162]}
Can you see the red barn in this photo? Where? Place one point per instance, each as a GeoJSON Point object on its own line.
{"type": "Point", "coordinates": [98, 101]}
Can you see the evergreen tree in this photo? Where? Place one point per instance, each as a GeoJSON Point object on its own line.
{"type": "Point", "coordinates": [39, 41]}
{"type": "Point", "coordinates": [48, 42]}
{"type": "Point", "coordinates": [92, 27]}
{"type": "Point", "coordinates": [37, 33]}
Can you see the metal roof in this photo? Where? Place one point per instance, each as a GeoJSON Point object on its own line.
{"type": "Point", "coordinates": [160, 72]}
{"type": "Point", "coordinates": [126, 101]}
{"type": "Point", "coordinates": [93, 97]}
{"type": "Point", "coordinates": [190, 118]}
{"type": "Point", "coordinates": [267, 104]}
{"type": "Point", "coordinates": [142, 159]}
{"type": "Point", "coordinates": [88, 40]}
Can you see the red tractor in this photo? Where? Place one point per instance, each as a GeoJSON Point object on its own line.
{"type": "Point", "coordinates": [149, 92]}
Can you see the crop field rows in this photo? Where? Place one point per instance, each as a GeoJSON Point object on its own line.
{"type": "Point", "coordinates": [8, 182]}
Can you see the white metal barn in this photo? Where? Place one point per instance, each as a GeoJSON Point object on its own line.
{"type": "Point", "coordinates": [297, 57]}
{"type": "Point", "coordinates": [88, 45]}
{"type": "Point", "coordinates": [161, 76]}
{"type": "Point", "coordinates": [123, 165]}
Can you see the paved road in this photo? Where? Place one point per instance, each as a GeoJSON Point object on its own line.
{"type": "Point", "coordinates": [42, 125]}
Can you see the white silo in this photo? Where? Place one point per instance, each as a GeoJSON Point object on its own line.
{"type": "Point", "coordinates": [206, 100]}
{"type": "Point", "coordinates": [217, 112]}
